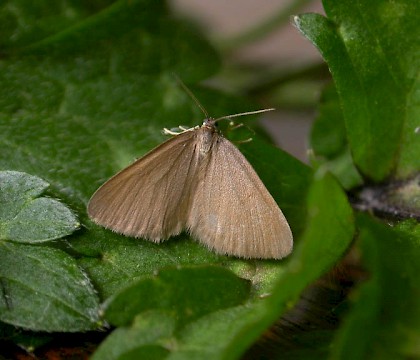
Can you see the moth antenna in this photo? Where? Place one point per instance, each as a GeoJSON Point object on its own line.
{"type": "Point", "coordinates": [204, 111]}
{"type": "Point", "coordinates": [192, 96]}
{"type": "Point", "coordinates": [243, 114]}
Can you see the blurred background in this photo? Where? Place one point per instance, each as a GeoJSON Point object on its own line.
{"type": "Point", "coordinates": [258, 34]}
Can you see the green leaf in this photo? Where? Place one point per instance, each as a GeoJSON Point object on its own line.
{"type": "Point", "coordinates": [371, 50]}
{"type": "Point", "coordinates": [24, 22]}
{"type": "Point", "coordinates": [188, 292]}
{"type": "Point", "coordinates": [329, 142]}
{"type": "Point", "coordinates": [216, 336]}
{"type": "Point", "coordinates": [27, 218]}
{"type": "Point", "coordinates": [328, 133]}
{"type": "Point", "coordinates": [113, 261]}
{"type": "Point", "coordinates": [118, 16]}
{"type": "Point", "coordinates": [46, 291]}
{"type": "Point", "coordinates": [387, 303]}
{"type": "Point", "coordinates": [148, 336]}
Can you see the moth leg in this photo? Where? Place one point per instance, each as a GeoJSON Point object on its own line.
{"type": "Point", "coordinates": [233, 126]}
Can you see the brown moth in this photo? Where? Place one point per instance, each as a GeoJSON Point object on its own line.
{"type": "Point", "coordinates": [200, 182]}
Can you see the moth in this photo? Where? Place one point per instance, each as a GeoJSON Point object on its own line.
{"type": "Point", "coordinates": [196, 181]}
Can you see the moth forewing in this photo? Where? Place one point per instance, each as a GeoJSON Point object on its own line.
{"type": "Point", "coordinates": [233, 212]}
{"type": "Point", "coordinates": [150, 198]}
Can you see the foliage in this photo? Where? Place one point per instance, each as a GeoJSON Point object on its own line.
{"type": "Point", "coordinates": [87, 87]}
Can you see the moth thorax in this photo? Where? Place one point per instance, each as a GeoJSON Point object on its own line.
{"type": "Point", "coordinates": [205, 138]}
